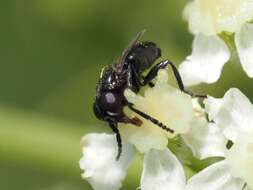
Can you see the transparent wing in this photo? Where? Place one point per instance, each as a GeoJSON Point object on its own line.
{"type": "Point", "coordinates": [130, 45]}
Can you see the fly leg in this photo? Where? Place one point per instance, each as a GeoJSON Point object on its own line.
{"type": "Point", "coordinates": [115, 129]}
{"type": "Point", "coordinates": [153, 73]}
{"type": "Point", "coordinates": [148, 117]}
{"type": "Point", "coordinates": [135, 81]}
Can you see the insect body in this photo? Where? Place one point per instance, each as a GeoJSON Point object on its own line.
{"type": "Point", "coordinates": [128, 73]}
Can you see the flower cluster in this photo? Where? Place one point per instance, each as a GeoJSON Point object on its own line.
{"type": "Point", "coordinates": [170, 106]}
{"type": "Point", "coordinates": [209, 20]}
{"type": "Point", "coordinates": [234, 115]}
{"type": "Point", "coordinates": [219, 127]}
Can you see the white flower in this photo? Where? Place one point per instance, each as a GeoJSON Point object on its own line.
{"type": "Point", "coordinates": [165, 103]}
{"type": "Point", "coordinates": [170, 106]}
{"type": "Point", "coordinates": [176, 110]}
{"type": "Point", "coordinates": [162, 171]}
{"type": "Point", "coordinates": [99, 161]}
{"type": "Point", "coordinates": [233, 114]}
{"type": "Point", "coordinates": [207, 19]}
{"type": "Point", "coordinates": [240, 158]}
{"type": "Point", "coordinates": [211, 17]}
{"type": "Point", "coordinates": [208, 56]}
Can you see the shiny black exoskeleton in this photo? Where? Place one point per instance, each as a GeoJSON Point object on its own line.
{"type": "Point", "coordinates": [128, 73]}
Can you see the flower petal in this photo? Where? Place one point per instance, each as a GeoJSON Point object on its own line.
{"type": "Point", "coordinates": [162, 171]}
{"type": "Point", "coordinates": [244, 44]}
{"type": "Point", "coordinates": [99, 161]}
{"type": "Point", "coordinates": [209, 55]}
{"type": "Point", "coordinates": [240, 158]}
{"type": "Point", "coordinates": [232, 113]}
{"type": "Point", "coordinates": [215, 177]}
{"type": "Point", "coordinates": [205, 140]}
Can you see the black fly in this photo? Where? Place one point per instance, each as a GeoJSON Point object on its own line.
{"type": "Point", "coordinates": [128, 73]}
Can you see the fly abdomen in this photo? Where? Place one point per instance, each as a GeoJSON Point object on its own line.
{"type": "Point", "coordinates": [143, 55]}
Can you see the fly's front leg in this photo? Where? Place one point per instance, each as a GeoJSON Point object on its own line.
{"type": "Point", "coordinates": [153, 73]}
{"type": "Point", "coordinates": [115, 129]}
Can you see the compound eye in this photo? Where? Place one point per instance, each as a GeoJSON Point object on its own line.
{"type": "Point", "coordinates": [111, 102]}
{"type": "Point", "coordinates": [110, 98]}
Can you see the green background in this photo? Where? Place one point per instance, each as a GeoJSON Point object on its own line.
{"type": "Point", "coordinates": [51, 54]}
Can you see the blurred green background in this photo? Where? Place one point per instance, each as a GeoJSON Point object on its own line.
{"type": "Point", "coordinates": [51, 54]}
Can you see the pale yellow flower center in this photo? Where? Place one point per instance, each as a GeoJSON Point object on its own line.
{"type": "Point", "coordinates": [165, 103]}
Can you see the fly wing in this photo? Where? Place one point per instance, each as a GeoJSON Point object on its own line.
{"type": "Point", "coordinates": [129, 47]}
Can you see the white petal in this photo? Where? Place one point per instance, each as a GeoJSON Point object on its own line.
{"type": "Point", "coordinates": [99, 161]}
{"type": "Point", "coordinates": [162, 171]}
{"type": "Point", "coordinates": [215, 177]}
{"type": "Point", "coordinates": [240, 158]}
{"type": "Point", "coordinates": [208, 57]}
{"type": "Point", "coordinates": [205, 140]}
{"type": "Point", "coordinates": [232, 113]}
{"type": "Point", "coordinates": [244, 44]}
